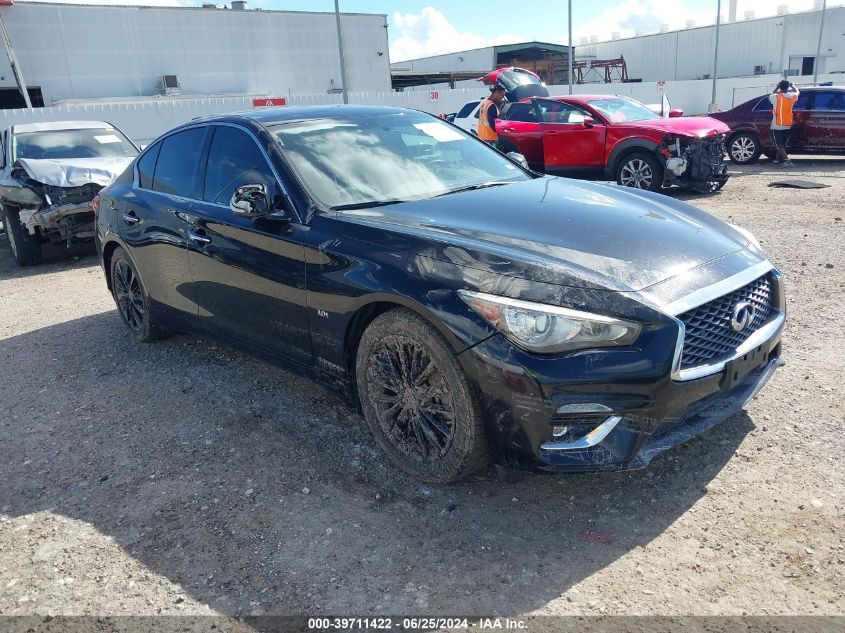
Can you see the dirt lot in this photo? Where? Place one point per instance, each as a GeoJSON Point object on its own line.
{"type": "Point", "coordinates": [182, 477]}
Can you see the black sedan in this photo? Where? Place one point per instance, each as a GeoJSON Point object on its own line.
{"type": "Point", "coordinates": [472, 309]}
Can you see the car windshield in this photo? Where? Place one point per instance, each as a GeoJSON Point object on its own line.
{"type": "Point", "coordinates": [87, 143]}
{"type": "Point", "coordinates": [365, 159]}
{"type": "Point", "coordinates": [623, 110]}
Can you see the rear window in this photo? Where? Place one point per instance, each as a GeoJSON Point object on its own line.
{"type": "Point", "coordinates": [89, 143]}
{"type": "Point", "coordinates": [147, 166]}
{"type": "Point", "coordinates": [176, 168]}
{"type": "Point", "coordinates": [467, 110]}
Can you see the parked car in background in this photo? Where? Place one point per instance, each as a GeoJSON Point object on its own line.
{"type": "Point", "coordinates": [819, 125]}
{"type": "Point", "coordinates": [471, 308]}
{"type": "Point", "coordinates": [618, 138]}
{"type": "Point", "coordinates": [50, 174]}
{"type": "Point", "coordinates": [467, 117]}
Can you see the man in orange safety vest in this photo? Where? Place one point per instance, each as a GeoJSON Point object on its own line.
{"type": "Point", "coordinates": [487, 115]}
{"type": "Point", "coordinates": [783, 100]}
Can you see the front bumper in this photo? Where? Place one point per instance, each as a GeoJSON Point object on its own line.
{"type": "Point", "coordinates": [627, 402]}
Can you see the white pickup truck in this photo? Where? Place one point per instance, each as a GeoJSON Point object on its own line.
{"type": "Point", "coordinates": [49, 175]}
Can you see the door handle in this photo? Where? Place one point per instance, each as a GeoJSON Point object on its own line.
{"type": "Point", "coordinates": [198, 238]}
{"type": "Point", "coordinates": [508, 129]}
{"type": "Point", "coordinates": [130, 218]}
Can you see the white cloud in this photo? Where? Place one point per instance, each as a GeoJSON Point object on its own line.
{"type": "Point", "coordinates": [647, 16]}
{"type": "Point", "coordinates": [430, 33]}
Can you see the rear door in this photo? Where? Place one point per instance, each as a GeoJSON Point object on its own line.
{"type": "Point", "coordinates": [153, 219]}
{"type": "Point", "coordinates": [570, 144]}
{"type": "Point", "coordinates": [825, 128]}
{"type": "Point", "coordinates": [521, 126]}
{"type": "Point", "coordinates": [248, 273]}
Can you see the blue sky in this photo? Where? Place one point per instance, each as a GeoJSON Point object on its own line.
{"type": "Point", "coordinates": [427, 27]}
{"type": "Point", "coordinates": [419, 28]}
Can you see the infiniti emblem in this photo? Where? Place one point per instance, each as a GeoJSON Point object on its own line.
{"type": "Point", "coordinates": [742, 316]}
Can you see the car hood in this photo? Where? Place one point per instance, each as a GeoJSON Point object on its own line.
{"type": "Point", "coordinates": [74, 172]}
{"type": "Point", "coordinates": [695, 126]}
{"type": "Point", "coordinates": [553, 230]}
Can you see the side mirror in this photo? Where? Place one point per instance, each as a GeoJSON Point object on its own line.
{"type": "Point", "coordinates": [675, 112]}
{"type": "Point", "coordinates": [250, 201]}
{"type": "Point", "coordinates": [518, 158]}
{"type": "Point", "coordinates": [589, 121]}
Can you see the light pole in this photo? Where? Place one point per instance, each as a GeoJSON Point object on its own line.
{"type": "Point", "coordinates": [340, 52]}
{"type": "Point", "coordinates": [716, 54]}
{"type": "Point", "coordinates": [819, 47]}
{"type": "Point", "coordinates": [569, 52]}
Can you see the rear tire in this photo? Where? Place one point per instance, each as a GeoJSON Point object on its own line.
{"type": "Point", "coordinates": [26, 248]}
{"type": "Point", "coordinates": [417, 401]}
{"type": "Point", "coordinates": [132, 300]}
{"type": "Point", "coordinates": [640, 170]}
{"type": "Point", "coordinates": [744, 148]}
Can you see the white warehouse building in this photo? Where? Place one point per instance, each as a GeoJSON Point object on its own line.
{"type": "Point", "coordinates": [753, 46]}
{"type": "Point", "coordinates": [71, 52]}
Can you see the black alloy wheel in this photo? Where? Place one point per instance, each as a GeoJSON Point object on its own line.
{"type": "Point", "coordinates": [131, 299]}
{"type": "Point", "coordinates": [417, 401]}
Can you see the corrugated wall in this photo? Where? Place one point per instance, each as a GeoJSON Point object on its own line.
{"type": "Point", "coordinates": [145, 120]}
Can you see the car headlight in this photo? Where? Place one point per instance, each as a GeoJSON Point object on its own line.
{"type": "Point", "coordinates": [546, 329]}
{"type": "Point", "coordinates": [748, 235]}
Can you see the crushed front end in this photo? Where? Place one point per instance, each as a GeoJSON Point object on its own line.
{"type": "Point", "coordinates": [696, 163]}
{"type": "Point", "coordinates": [63, 215]}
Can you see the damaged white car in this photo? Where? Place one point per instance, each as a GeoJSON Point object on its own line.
{"type": "Point", "coordinates": [50, 174]}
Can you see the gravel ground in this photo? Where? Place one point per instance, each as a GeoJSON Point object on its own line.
{"type": "Point", "coordinates": [185, 478]}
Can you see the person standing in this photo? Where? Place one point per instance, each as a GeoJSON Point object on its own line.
{"type": "Point", "coordinates": [783, 100]}
{"type": "Point", "coordinates": [487, 116]}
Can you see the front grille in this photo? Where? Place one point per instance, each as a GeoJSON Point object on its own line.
{"type": "Point", "coordinates": [709, 335]}
{"type": "Point", "coordinates": [73, 195]}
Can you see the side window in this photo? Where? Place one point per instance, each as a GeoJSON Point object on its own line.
{"type": "Point", "coordinates": [234, 160]}
{"type": "Point", "coordinates": [467, 110]}
{"type": "Point", "coordinates": [522, 112]}
{"type": "Point", "coordinates": [764, 105]}
{"type": "Point", "coordinates": [831, 101]}
{"type": "Point", "coordinates": [559, 112]}
{"type": "Point", "coordinates": [147, 166]}
{"type": "Point", "coordinates": [803, 101]}
{"type": "Point", "coordinates": [177, 162]}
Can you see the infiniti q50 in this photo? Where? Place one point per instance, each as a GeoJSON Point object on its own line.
{"type": "Point", "coordinates": [471, 309]}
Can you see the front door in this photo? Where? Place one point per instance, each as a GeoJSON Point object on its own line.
{"type": "Point", "coordinates": [571, 143]}
{"type": "Point", "coordinates": [248, 273]}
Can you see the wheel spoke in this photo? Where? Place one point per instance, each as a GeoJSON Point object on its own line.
{"type": "Point", "coordinates": [410, 398]}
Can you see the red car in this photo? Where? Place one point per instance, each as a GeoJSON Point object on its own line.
{"type": "Point", "coordinates": [616, 138]}
{"type": "Point", "coordinates": [819, 125]}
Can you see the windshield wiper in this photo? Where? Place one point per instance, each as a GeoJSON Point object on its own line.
{"type": "Point", "coordinates": [366, 205]}
{"type": "Point", "coordinates": [481, 185]}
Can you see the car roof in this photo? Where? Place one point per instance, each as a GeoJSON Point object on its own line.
{"type": "Point", "coordinates": [61, 125]}
{"type": "Point", "coordinates": [280, 114]}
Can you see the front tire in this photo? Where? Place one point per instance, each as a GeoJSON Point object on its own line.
{"type": "Point", "coordinates": [744, 148]}
{"type": "Point", "coordinates": [640, 170]}
{"type": "Point", "coordinates": [26, 248]}
{"type": "Point", "coordinates": [417, 401]}
{"type": "Point", "coordinates": [132, 300]}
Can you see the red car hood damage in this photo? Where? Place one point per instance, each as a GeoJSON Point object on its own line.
{"type": "Point", "coordinates": [695, 126]}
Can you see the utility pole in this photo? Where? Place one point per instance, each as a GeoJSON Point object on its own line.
{"type": "Point", "coordinates": [713, 105]}
{"type": "Point", "coordinates": [819, 47]}
{"type": "Point", "coordinates": [13, 61]}
{"type": "Point", "coordinates": [340, 52]}
{"type": "Point", "coordinates": [569, 53]}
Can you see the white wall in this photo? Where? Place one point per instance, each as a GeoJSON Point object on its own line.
{"type": "Point", "coordinates": [475, 59]}
{"type": "Point", "coordinates": [767, 42]}
{"type": "Point", "coordinates": [75, 52]}
{"type": "Point", "coordinates": [145, 119]}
